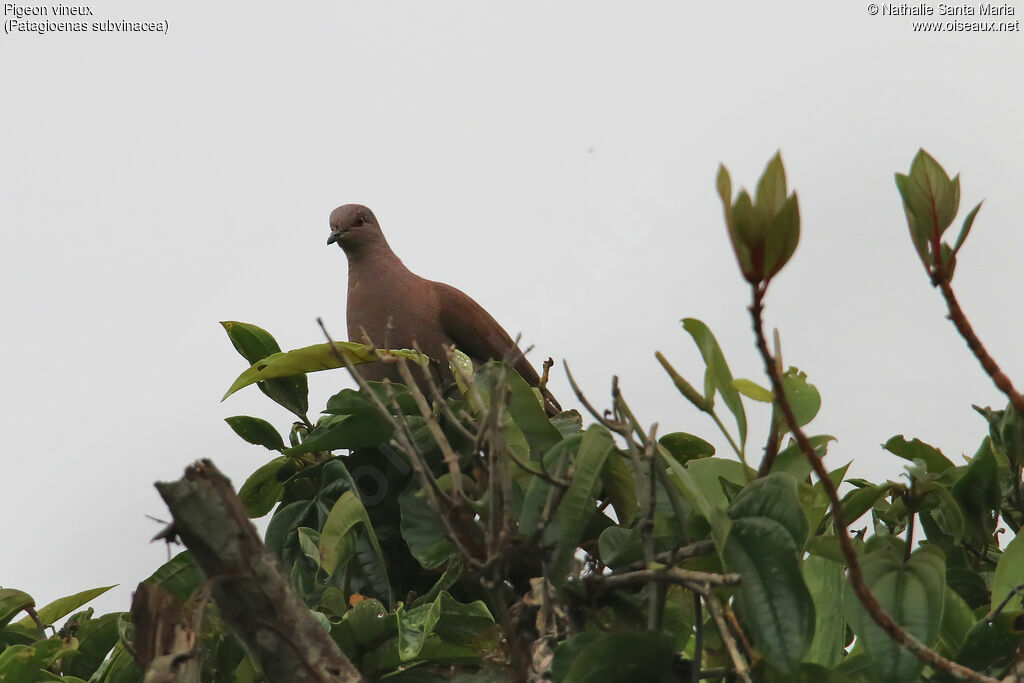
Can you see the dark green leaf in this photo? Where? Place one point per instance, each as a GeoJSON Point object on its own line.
{"type": "Point", "coordinates": [773, 598]}
{"type": "Point", "coordinates": [13, 601]}
{"type": "Point", "coordinates": [96, 637]}
{"type": "Point", "coordinates": [685, 447]}
{"type": "Point", "coordinates": [774, 497]}
{"type": "Point", "coordinates": [262, 490]}
{"type": "Point", "coordinates": [934, 460]}
{"type": "Point", "coordinates": [578, 503]}
{"type": "Point", "coordinates": [977, 491]}
{"type": "Point", "coordinates": [825, 581]}
{"type": "Point", "coordinates": [422, 529]}
{"type": "Point", "coordinates": [622, 656]}
{"type": "Point", "coordinates": [179, 576]}
{"type": "Point", "coordinates": [256, 431]}
{"type": "Point", "coordinates": [362, 430]}
{"type": "Point", "coordinates": [966, 228]}
{"type": "Point", "coordinates": [990, 645]}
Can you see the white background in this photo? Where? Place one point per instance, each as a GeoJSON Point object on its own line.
{"type": "Point", "coordinates": [554, 160]}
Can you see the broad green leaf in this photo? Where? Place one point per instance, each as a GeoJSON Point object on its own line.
{"type": "Point", "coordinates": [312, 359]}
{"type": "Point", "coordinates": [179, 576]}
{"type": "Point", "coordinates": [622, 656]}
{"type": "Point", "coordinates": [96, 637]}
{"type": "Point", "coordinates": [773, 598]}
{"type": "Point", "coordinates": [859, 501]}
{"type": "Point", "coordinates": [538, 490]}
{"type": "Point", "coordinates": [934, 460]}
{"type": "Point", "coordinates": [368, 619]}
{"type": "Point", "coordinates": [990, 645]}
{"type": "Point", "coordinates": [774, 497]}
{"type": "Point", "coordinates": [957, 621]}
{"type": "Point", "coordinates": [912, 593]}
{"type": "Point", "coordinates": [362, 430]}
{"type": "Point", "coordinates": [64, 606]}
{"type": "Point", "coordinates": [526, 411]}
{"type": "Point", "coordinates": [414, 627]}
{"type": "Point", "coordinates": [685, 447]}
{"type": "Point", "coordinates": [422, 529]}
{"type": "Point", "coordinates": [950, 515]}
{"type": "Point", "coordinates": [803, 397]}
{"type": "Point", "coordinates": [462, 623]}
{"type": "Point", "coordinates": [309, 541]}
{"type": "Point", "coordinates": [262, 490]}
{"type": "Point", "coordinates": [824, 579]}
{"type": "Point", "coordinates": [452, 573]}
{"type": "Point", "coordinates": [706, 472]}
{"type": "Point", "coordinates": [977, 491]}
{"type": "Point", "coordinates": [753, 390]}
{"type": "Point", "coordinates": [347, 512]}
{"type": "Point", "coordinates": [618, 546]}
{"type": "Point", "coordinates": [578, 503]}
{"type": "Point", "coordinates": [254, 344]}
{"type": "Point", "coordinates": [256, 431]}
{"type": "Point", "coordinates": [620, 488]}
{"type": "Point", "coordinates": [793, 461]}
{"type": "Point", "coordinates": [1009, 574]}
{"type": "Point", "coordinates": [717, 376]}
{"type": "Point", "coordinates": [13, 601]}
{"type": "Point", "coordinates": [782, 236]}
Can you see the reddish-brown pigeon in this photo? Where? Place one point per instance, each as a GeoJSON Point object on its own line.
{"type": "Point", "coordinates": [396, 308]}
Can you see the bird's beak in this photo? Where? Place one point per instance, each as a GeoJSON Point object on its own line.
{"type": "Point", "coordinates": [335, 236]}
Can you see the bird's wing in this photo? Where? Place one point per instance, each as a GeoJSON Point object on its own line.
{"type": "Point", "coordinates": [477, 334]}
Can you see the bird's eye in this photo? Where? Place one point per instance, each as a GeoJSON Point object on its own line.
{"type": "Point", "coordinates": [358, 221]}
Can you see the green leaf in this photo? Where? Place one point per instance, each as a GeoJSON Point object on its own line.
{"type": "Point", "coordinates": [977, 491]}
{"type": "Point", "coordinates": [368, 619]}
{"type": "Point", "coordinates": [622, 656]}
{"type": "Point", "coordinates": [362, 430]}
{"type": "Point", "coordinates": [966, 228]}
{"type": "Point", "coordinates": [753, 390]}
{"type": "Point", "coordinates": [13, 601]}
{"type": "Point", "coordinates": [422, 529]}
{"type": "Point", "coordinates": [462, 623]}
{"type": "Point", "coordinates": [957, 621]}
{"type": "Point", "coordinates": [96, 637]}
{"type": "Point", "coordinates": [620, 489]}
{"type": "Point", "coordinates": [347, 513]}
{"type": "Point", "coordinates": [803, 397]}
{"type": "Point", "coordinates": [254, 344]}
{"type": "Point", "coordinates": [538, 490]}
{"type": "Point", "coordinates": [618, 546]}
{"type": "Point", "coordinates": [793, 461]}
{"type": "Point", "coordinates": [773, 598]}
{"type": "Point", "coordinates": [911, 593]}
{"type": "Point", "coordinates": [256, 431]}
{"type": "Point", "coordinates": [950, 515]}
{"type": "Point", "coordinates": [990, 645]}
{"type": "Point", "coordinates": [578, 503]}
{"type": "Point", "coordinates": [312, 359]}
{"type": "Point", "coordinates": [774, 497]}
{"type": "Point", "coordinates": [859, 501]}
{"type": "Point", "coordinates": [685, 447]}
{"type": "Point", "coordinates": [706, 472]}
{"type": "Point", "coordinates": [782, 237]}
{"type": "Point", "coordinates": [934, 460]}
{"type": "Point", "coordinates": [717, 376]}
{"type": "Point", "coordinates": [414, 627]}
{"type": "Point", "coordinates": [262, 490]}
{"type": "Point", "coordinates": [771, 188]}
{"type": "Point", "coordinates": [179, 576]}
{"type": "Point", "coordinates": [64, 606]}
{"type": "Point", "coordinates": [1009, 574]}
{"type": "Point", "coordinates": [526, 411]}
{"type": "Point", "coordinates": [824, 579]}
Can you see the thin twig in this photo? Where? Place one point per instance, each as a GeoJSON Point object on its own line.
{"type": "Point", "coordinates": [715, 608]}
{"type": "Point", "coordinates": [688, 578]}
{"type": "Point", "coordinates": [860, 588]}
{"type": "Point", "coordinates": [999, 378]}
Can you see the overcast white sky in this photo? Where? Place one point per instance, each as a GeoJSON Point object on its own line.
{"type": "Point", "coordinates": [554, 160]}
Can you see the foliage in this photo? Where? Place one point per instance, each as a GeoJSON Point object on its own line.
{"type": "Point", "coordinates": [478, 539]}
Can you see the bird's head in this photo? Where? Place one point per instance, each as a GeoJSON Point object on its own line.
{"type": "Point", "coordinates": [354, 226]}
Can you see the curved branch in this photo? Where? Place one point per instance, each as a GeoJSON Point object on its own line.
{"type": "Point", "coordinates": [860, 588]}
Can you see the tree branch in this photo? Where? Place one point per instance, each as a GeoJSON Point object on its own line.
{"type": "Point", "coordinates": [864, 594]}
{"type": "Point", "coordinates": [248, 584]}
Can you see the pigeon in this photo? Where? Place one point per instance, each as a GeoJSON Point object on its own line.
{"type": "Point", "coordinates": [394, 308]}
